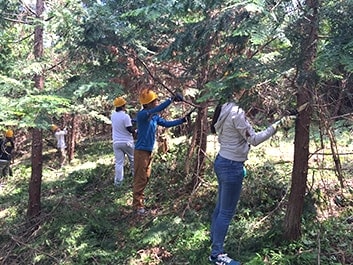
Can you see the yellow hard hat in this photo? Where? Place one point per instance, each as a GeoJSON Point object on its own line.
{"type": "Point", "coordinates": [54, 127]}
{"type": "Point", "coordinates": [9, 133]}
{"type": "Point", "coordinates": [147, 96]}
{"type": "Point", "coordinates": [119, 102]}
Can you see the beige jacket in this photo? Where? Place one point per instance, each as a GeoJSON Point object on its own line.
{"type": "Point", "coordinates": [236, 135]}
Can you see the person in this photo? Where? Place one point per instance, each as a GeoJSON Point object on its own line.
{"type": "Point", "coordinates": [60, 143]}
{"type": "Point", "coordinates": [235, 135]}
{"type": "Point", "coordinates": [123, 135]}
{"type": "Point", "coordinates": [147, 122]}
{"type": "Point", "coordinates": [7, 145]}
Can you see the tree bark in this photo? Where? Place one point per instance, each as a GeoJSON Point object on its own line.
{"type": "Point", "coordinates": [34, 204]}
{"type": "Point", "coordinates": [198, 147]}
{"type": "Point", "coordinates": [197, 151]}
{"type": "Point", "coordinates": [306, 84]}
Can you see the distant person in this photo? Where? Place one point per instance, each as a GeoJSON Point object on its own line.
{"type": "Point", "coordinates": [147, 122]}
{"type": "Point", "coordinates": [60, 143]}
{"type": "Point", "coordinates": [123, 139]}
{"type": "Point", "coordinates": [7, 145]}
{"type": "Point", "coordinates": [235, 135]}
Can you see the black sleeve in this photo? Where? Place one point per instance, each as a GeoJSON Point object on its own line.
{"type": "Point", "coordinates": [130, 129]}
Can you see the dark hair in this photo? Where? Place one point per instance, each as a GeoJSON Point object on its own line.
{"type": "Point", "coordinates": [215, 117]}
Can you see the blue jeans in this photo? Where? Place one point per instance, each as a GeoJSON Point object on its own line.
{"type": "Point", "coordinates": [230, 176]}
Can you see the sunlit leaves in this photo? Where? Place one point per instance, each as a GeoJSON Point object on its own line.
{"type": "Point", "coordinates": [37, 110]}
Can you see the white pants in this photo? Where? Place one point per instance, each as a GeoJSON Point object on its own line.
{"type": "Point", "coordinates": [120, 150]}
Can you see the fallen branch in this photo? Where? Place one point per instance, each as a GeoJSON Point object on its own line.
{"type": "Point", "coordinates": [19, 242]}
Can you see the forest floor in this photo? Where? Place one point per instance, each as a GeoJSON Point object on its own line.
{"type": "Point", "coordinates": [86, 220]}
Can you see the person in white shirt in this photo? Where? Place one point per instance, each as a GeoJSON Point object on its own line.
{"type": "Point", "coordinates": [60, 143]}
{"type": "Point", "coordinates": [123, 139]}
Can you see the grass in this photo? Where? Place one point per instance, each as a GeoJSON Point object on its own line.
{"type": "Point", "coordinates": [86, 220]}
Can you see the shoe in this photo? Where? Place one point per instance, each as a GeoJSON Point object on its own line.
{"type": "Point", "coordinates": [223, 259]}
{"type": "Point", "coordinates": [141, 211]}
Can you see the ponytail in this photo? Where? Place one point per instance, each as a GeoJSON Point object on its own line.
{"type": "Point", "coordinates": [215, 117]}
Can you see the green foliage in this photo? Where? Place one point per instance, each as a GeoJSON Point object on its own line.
{"type": "Point", "coordinates": [217, 48]}
{"type": "Point", "coordinates": [63, 58]}
{"type": "Point", "coordinates": [32, 111]}
{"type": "Point", "coordinates": [263, 188]}
{"type": "Point", "coordinates": [335, 56]}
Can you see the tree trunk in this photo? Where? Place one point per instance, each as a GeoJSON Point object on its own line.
{"type": "Point", "coordinates": [299, 173]}
{"type": "Point", "coordinates": [34, 204]}
{"type": "Point", "coordinates": [306, 84]}
{"type": "Point", "coordinates": [197, 151]}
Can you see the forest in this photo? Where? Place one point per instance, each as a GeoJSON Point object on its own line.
{"type": "Point", "coordinates": [64, 62]}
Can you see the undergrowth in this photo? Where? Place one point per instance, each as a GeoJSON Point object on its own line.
{"type": "Point", "coordinates": [86, 220]}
